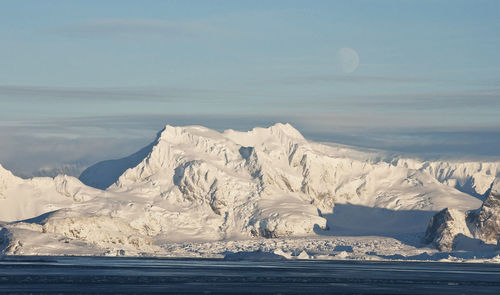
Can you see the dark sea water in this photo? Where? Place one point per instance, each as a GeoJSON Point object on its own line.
{"type": "Point", "coordinates": [73, 275]}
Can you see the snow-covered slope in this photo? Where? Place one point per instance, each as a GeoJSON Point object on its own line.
{"type": "Point", "coordinates": [104, 174]}
{"type": "Point", "coordinates": [484, 224]}
{"type": "Point", "coordinates": [474, 178]}
{"type": "Point", "coordinates": [196, 184]}
{"type": "Point", "coordinates": [279, 157]}
{"type": "Point", "coordinates": [22, 199]}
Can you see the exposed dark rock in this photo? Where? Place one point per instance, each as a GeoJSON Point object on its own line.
{"type": "Point", "coordinates": [485, 224]}
{"type": "Point", "coordinates": [482, 224]}
{"type": "Point", "coordinates": [443, 228]}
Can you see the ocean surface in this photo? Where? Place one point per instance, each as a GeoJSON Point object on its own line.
{"type": "Point", "coordinates": [73, 275]}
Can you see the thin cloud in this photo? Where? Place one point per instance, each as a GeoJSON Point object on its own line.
{"type": "Point", "coordinates": [29, 92]}
{"type": "Point", "coordinates": [27, 153]}
{"type": "Point", "coordinates": [427, 100]}
{"type": "Point", "coordinates": [120, 27]}
{"type": "Point", "coordinates": [356, 79]}
{"type": "Point", "coordinates": [477, 96]}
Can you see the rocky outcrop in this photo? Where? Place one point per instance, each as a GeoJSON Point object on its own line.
{"type": "Point", "coordinates": [194, 183]}
{"type": "Point", "coordinates": [485, 224]}
{"type": "Point", "coordinates": [444, 227]}
{"type": "Point", "coordinates": [482, 224]}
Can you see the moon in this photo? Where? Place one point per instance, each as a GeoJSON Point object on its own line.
{"type": "Point", "coordinates": [348, 59]}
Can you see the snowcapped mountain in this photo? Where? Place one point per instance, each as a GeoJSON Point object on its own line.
{"type": "Point", "coordinates": [196, 184]}
{"type": "Point", "coordinates": [449, 227]}
{"type": "Point", "coordinates": [474, 178]}
{"type": "Point", "coordinates": [27, 198]}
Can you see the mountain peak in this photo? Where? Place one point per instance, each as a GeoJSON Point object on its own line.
{"type": "Point", "coordinates": [6, 174]}
{"type": "Point", "coordinates": [287, 129]}
{"type": "Point", "coordinates": [178, 133]}
{"type": "Point", "coordinates": [284, 133]}
{"type": "Point", "coordinates": [193, 183]}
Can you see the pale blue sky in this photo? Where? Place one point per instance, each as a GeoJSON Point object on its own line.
{"type": "Point", "coordinates": [427, 69]}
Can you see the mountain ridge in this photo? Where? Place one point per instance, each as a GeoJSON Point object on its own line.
{"type": "Point", "coordinates": [196, 184]}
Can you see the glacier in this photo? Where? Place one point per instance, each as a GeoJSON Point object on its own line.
{"type": "Point", "coordinates": [195, 191]}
